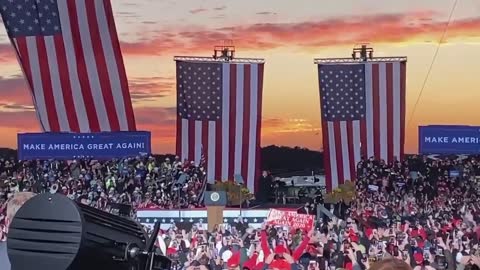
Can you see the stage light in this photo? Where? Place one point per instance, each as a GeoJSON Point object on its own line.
{"type": "Point", "coordinates": [53, 232]}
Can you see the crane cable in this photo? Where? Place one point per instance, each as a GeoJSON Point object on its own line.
{"type": "Point", "coordinates": [433, 61]}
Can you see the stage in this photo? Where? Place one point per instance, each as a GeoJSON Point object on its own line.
{"type": "Point", "coordinates": [254, 216]}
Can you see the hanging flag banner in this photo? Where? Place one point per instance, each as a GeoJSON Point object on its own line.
{"type": "Point", "coordinates": [104, 145]}
{"type": "Point", "coordinates": [449, 139]}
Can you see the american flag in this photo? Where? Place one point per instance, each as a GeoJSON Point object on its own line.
{"type": "Point", "coordinates": [219, 110]}
{"type": "Point", "coordinates": [363, 115]}
{"type": "Point", "coordinates": [70, 54]}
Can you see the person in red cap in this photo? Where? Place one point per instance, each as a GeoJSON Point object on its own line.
{"type": "Point", "coordinates": [234, 262]}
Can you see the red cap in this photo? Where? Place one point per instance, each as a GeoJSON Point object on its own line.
{"type": "Point", "coordinates": [234, 261]}
{"type": "Point", "coordinates": [354, 238]}
{"type": "Point", "coordinates": [171, 251]}
{"type": "Point", "coordinates": [418, 257]}
{"type": "Point", "coordinates": [280, 249]}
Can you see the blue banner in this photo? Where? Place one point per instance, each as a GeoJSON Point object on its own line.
{"type": "Point", "coordinates": [449, 140]}
{"type": "Point", "coordinates": [104, 145]}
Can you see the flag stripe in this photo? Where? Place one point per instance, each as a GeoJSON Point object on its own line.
{"type": "Point", "coordinates": [369, 112]}
{"type": "Point", "coordinates": [83, 104]}
{"type": "Point", "coordinates": [252, 133]}
{"type": "Point", "coordinates": [383, 111]}
{"type": "Point", "coordinates": [91, 66]}
{"type": "Point", "coordinates": [327, 154]}
{"type": "Point", "coordinates": [81, 64]}
{"type": "Point", "coordinates": [197, 155]}
{"type": "Point", "coordinates": [345, 151]}
{"type": "Point", "coordinates": [363, 136]}
{"type": "Point", "coordinates": [185, 144]}
{"type": "Point", "coordinates": [179, 136]}
{"type": "Point", "coordinates": [376, 109]}
{"type": "Point", "coordinates": [112, 67]}
{"type": "Point", "coordinates": [389, 114]}
{"type": "Point", "coordinates": [191, 140]}
{"type": "Point", "coordinates": [66, 85]}
{"type": "Point", "coordinates": [57, 93]}
{"type": "Point", "coordinates": [356, 131]}
{"type": "Point", "coordinates": [403, 76]}
{"type": "Point", "coordinates": [351, 153]}
{"type": "Point", "coordinates": [396, 101]}
{"type": "Point", "coordinates": [337, 139]}
{"type": "Point", "coordinates": [227, 78]}
{"type": "Point", "coordinates": [261, 68]}
{"type": "Point", "coordinates": [37, 80]}
{"type": "Point", "coordinates": [101, 65]}
{"type": "Point", "coordinates": [333, 154]}
{"type": "Point", "coordinates": [210, 151]}
{"type": "Point", "coordinates": [233, 118]}
{"type": "Point", "coordinates": [204, 144]}
{"type": "Point", "coordinates": [239, 108]}
{"type": "Point", "coordinates": [247, 79]}
{"type": "Point", "coordinates": [44, 79]}
{"type": "Point", "coordinates": [120, 66]}
{"type": "Point", "coordinates": [218, 161]}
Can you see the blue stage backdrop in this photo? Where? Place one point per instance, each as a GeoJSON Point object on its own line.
{"type": "Point", "coordinates": [104, 145]}
{"type": "Point", "coordinates": [449, 140]}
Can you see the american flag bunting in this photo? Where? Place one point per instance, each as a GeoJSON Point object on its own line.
{"type": "Point", "coordinates": [219, 110]}
{"type": "Point", "coordinates": [363, 115]}
{"type": "Point", "coordinates": [70, 55]}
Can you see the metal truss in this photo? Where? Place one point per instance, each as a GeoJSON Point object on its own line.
{"type": "Point", "coordinates": [219, 60]}
{"type": "Point", "coordinates": [357, 61]}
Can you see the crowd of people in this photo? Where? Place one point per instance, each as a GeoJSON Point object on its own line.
{"type": "Point", "coordinates": [420, 213]}
{"type": "Point", "coordinates": [417, 214]}
{"type": "Point", "coordinates": [141, 182]}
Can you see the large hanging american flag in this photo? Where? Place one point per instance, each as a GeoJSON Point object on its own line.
{"type": "Point", "coordinates": [363, 115]}
{"type": "Point", "coordinates": [219, 108]}
{"type": "Point", "coordinates": [70, 54]}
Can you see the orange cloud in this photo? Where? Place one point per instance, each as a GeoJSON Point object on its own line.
{"type": "Point", "coordinates": [6, 52]}
{"type": "Point", "coordinates": [392, 28]}
{"type": "Point", "coordinates": [294, 125]}
{"type": "Point", "coordinates": [22, 121]}
{"type": "Point", "coordinates": [14, 94]}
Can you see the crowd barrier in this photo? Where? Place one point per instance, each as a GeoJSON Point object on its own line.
{"type": "Point", "coordinates": [148, 217]}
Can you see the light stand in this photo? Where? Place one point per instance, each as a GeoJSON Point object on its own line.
{"type": "Point", "coordinates": [363, 53]}
{"type": "Point", "coordinates": [224, 52]}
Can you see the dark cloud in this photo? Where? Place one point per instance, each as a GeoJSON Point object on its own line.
{"type": "Point", "coordinates": [127, 14]}
{"type": "Point", "coordinates": [198, 10]}
{"type": "Point", "coordinates": [151, 88]}
{"type": "Point", "coordinates": [220, 8]}
{"type": "Point", "coordinates": [15, 107]}
{"type": "Point", "coordinates": [266, 13]}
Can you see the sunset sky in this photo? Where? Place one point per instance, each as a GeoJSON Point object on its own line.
{"type": "Point", "coordinates": [289, 35]}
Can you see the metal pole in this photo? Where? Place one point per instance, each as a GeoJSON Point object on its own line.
{"type": "Point", "coordinates": [241, 201]}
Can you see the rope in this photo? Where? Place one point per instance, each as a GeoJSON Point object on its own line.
{"type": "Point", "coordinates": [433, 61]}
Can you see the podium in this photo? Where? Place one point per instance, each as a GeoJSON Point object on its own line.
{"type": "Point", "coordinates": [215, 201]}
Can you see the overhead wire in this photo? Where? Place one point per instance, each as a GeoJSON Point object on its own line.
{"type": "Point", "coordinates": [440, 41]}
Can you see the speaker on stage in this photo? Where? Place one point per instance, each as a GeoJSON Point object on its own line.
{"type": "Point", "coordinates": [215, 202]}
